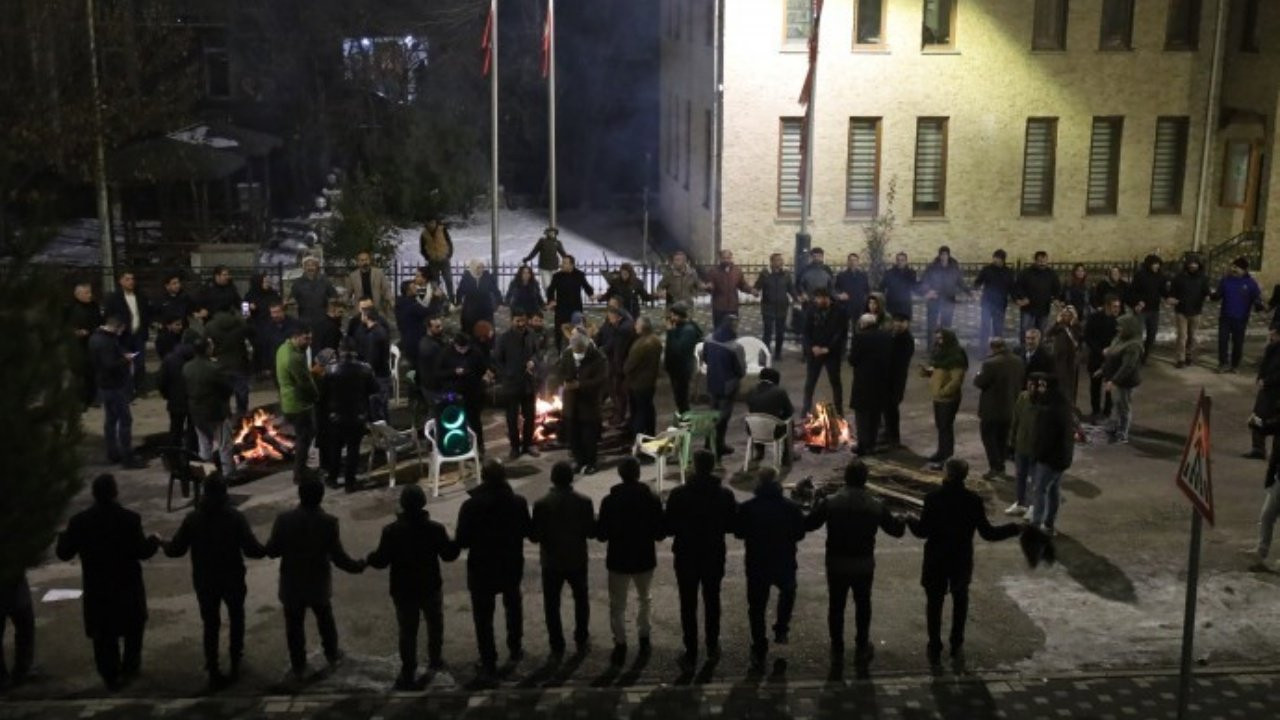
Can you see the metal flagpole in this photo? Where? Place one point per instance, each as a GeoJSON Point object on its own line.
{"type": "Point", "coordinates": [1210, 119]}
{"type": "Point", "coordinates": [493, 131]}
{"type": "Point", "coordinates": [100, 157]}
{"type": "Point", "coordinates": [551, 99]}
{"type": "Point", "coordinates": [806, 201]}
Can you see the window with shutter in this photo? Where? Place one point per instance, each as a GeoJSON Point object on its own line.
{"type": "Point", "coordinates": [1038, 165]}
{"type": "Point", "coordinates": [1049, 31]}
{"type": "Point", "coordinates": [939, 24]}
{"type": "Point", "coordinates": [931, 167]}
{"type": "Point", "coordinates": [1182, 31]}
{"type": "Point", "coordinates": [796, 22]}
{"type": "Point", "coordinates": [868, 24]}
{"type": "Point", "coordinates": [1169, 168]}
{"type": "Point", "coordinates": [789, 162]}
{"type": "Point", "coordinates": [1104, 166]}
{"type": "Point", "coordinates": [1117, 25]}
{"type": "Point", "coordinates": [862, 186]}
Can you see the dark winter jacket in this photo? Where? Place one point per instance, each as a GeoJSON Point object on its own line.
{"type": "Point", "coordinates": [478, 298]}
{"type": "Point", "coordinates": [548, 251]}
{"type": "Point", "coordinates": [1039, 286]}
{"type": "Point", "coordinates": [413, 546]}
{"type": "Point", "coordinates": [617, 343]}
{"type": "Point", "coordinates": [1124, 356]}
{"type": "Point", "coordinates": [726, 281]}
{"type": "Point", "coordinates": [770, 526]}
{"type": "Point", "coordinates": [1148, 287]}
{"type": "Point", "coordinates": [999, 380]}
{"type": "Point", "coordinates": [871, 355]}
{"type": "Point", "coordinates": [899, 286]}
{"type": "Point", "coordinates": [172, 384]}
{"type": "Point", "coordinates": [492, 525]}
{"type": "Point", "coordinates": [469, 382]}
{"type": "Point", "coordinates": [698, 516]}
{"type": "Point", "coordinates": [344, 392]}
{"type": "Point", "coordinates": [307, 540]}
{"type": "Point", "coordinates": [945, 280]}
{"type": "Point", "coordinates": [221, 298]}
{"type": "Point", "coordinates": [857, 286]}
{"type": "Point", "coordinates": [429, 349]}
{"type": "Point", "coordinates": [630, 522]}
{"type": "Point", "coordinates": [681, 341]}
{"type": "Point", "coordinates": [563, 521]}
{"type": "Point", "coordinates": [110, 542]}
{"type": "Point", "coordinates": [1239, 296]}
{"type": "Point", "coordinates": [1055, 441]}
{"type": "Point", "coordinates": [630, 293]}
{"type": "Point", "coordinates": [815, 275]}
{"type": "Point", "coordinates": [777, 291]}
{"type": "Point", "coordinates": [312, 296]}
{"type": "Point", "coordinates": [174, 307]}
{"type": "Point", "coordinates": [1076, 295]}
{"type": "Point", "coordinates": [1190, 290]}
{"type": "Point", "coordinates": [111, 369]}
{"type": "Point", "coordinates": [770, 399]}
{"type": "Point", "coordinates": [583, 403]}
{"type": "Point", "coordinates": [726, 363]}
{"type": "Point", "coordinates": [219, 538]}
{"type": "Point", "coordinates": [209, 391]}
{"type": "Point", "coordinates": [1106, 288]}
{"type": "Point", "coordinates": [411, 323]}
{"type": "Point", "coordinates": [1266, 403]}
{"type": "Point", "coordinates": [116, 306]}
{"type": "Point", "coordinates": [852, 516]}
{"type": "Point", "coordinates": [525, 297]}
{"type": "Point", "coordinates": [951, 515]}
{"type": "Point", "coordinates": [566, 290]}
{"type": "Point", "coordinates": [642, 364]}
{"type": "Point", "coordinates": [903, 348]}
{"type": "Point", "coordinates": [1039, 361]}
{"type": "Point", "coordinates": [229, 332]}
{"type": "Point", "coordinates": [997, 285]}
{"type": "Point", "coordinates": [1099, 330]}
{"type": "Point", "coordinates": [827, 328]}
{"type": "Point", "coordinates": [513, 351]}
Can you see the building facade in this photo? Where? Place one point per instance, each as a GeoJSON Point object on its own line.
{"type": "Point", "coordinates": [1074, 126]}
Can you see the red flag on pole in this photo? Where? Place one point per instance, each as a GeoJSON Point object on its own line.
{"type": "Point", "coordinates": [548, 27]}
{"type": "Point", "coordinates": [807, 90]}
{"type": "Point", "coordinates": [486, 43]}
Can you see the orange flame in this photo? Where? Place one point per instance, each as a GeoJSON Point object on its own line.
{"type": "Point", "coordinates": [543, 410]}
{"type": "Point", "coordinates": [826, 430]}
{"type": "Point", "coordinates": [260, 438]}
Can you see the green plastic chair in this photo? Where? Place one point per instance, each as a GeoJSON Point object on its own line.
{"type": "Point", "coordinates": [701, 424]}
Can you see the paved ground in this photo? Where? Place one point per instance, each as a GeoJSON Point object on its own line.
{"type": "Point", "coordinates": [1112, 604]}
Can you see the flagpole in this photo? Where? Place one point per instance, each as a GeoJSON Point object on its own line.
{"type": "Point", "coordinates": [493, 132]}
{"type": "Point", "coordinates": [551, 99]}
{"type": "Point", "coordinates": [806, 199]}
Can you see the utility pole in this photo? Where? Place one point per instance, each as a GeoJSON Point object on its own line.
{"type": "Point", "coordinates": [1210, 122]}
{"type": "Point", "coordinates": [100, 156]}
{"type": "Point", "coordinates": [551, 100]}
{"type": "Point", "coordinates": [493, 132]}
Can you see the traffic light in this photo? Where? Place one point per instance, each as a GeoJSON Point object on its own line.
{"type": "Point", "coordinates": [454, 439]}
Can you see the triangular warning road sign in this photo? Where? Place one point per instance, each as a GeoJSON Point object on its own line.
{"type": "Point", "coordinates": [1194, 476]}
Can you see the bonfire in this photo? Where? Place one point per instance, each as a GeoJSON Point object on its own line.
{"type": "Point", "coordinates": [548, 415]}
{"type": "Point", "coordinates": [825, 429]}
{"type": "Point", "coordinates": [259, 438]}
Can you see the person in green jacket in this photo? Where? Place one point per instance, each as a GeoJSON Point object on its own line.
{"type": "Point", "coordinates": [683, 335]}
{"type": "Point", "coordinates": [298, 395]}
{"type": "Point", "coordinates": [1121, 374]}
{"type": "Point", "coordinates": [1022, 438]}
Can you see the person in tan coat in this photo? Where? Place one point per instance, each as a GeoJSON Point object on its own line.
{"type": "Point", "coordinates": [946, 369]}
{"type": "Point", "coordinates": [640, 373]}
{"type": "Point", "coordinates": [369, 281]}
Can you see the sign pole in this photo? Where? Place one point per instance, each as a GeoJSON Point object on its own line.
{"type": "Point", "coordinates": [1189, 617]}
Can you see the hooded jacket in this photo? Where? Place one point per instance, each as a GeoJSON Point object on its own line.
{"type": "Point", "coordinates": [630, 522]}
{"type": "Point", "coordinates": [1149, 285]}
{"type": "Point", "coordinates": [492, 525]}
{"type": "Point", "coordinates": [1124, 355]}
{"type": "Point", "coordinates": [770, 526]}
{"type": "Point", "coordinates": [698, 516]}
{"type": "Point", "coordinates": [681, 340]}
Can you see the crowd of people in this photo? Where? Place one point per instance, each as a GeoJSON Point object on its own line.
{"type": "Point", "coordinates": [493, 525]}
{"type": "Point", "coordinates": [331, 362]}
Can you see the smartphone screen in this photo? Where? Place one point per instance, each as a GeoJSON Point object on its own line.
{"type": "Point", "coordinates": [244, 309]}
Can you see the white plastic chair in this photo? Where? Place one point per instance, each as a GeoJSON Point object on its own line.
{"type": "Point", "coordinates": [758, 355]}
{"type": "Point", "coordinates": [761, 430]}
{"type": "Point", "coordinates": [436, 458]}
{"type": "Point", "coordinates": [395, 373]}
{"type": "Point", "coordinates": [670, 443]}
{"type": "Point", "coordinates": [393, 442]}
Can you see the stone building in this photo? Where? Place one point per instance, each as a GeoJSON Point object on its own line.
{"type": "Point", "coordinates": [1076, 126]}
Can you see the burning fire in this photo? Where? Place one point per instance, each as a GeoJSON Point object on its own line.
{"type": "Point", "coordinates": [826, 430]}
{"type": "Point", "coordinates": [259, 439]}
{"type": "Point", "coordinates": [547, 414]}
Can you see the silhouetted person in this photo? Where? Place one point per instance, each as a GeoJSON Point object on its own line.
{"type": "Point", "coordinates": [770, 525]}
{"type": "Point", "coordinates": [951, 515]}
{"type": "Point", "coordinates": [307, 540]}
{"type": "Point", "coordinates": [173, 388]}
{"type": "Point", "coordinates": [219, 538]}
{"type": "Point", "coordinates": [413, 546]}
{"type": "Point", "coordinates": [871, 355]}
{"type": "Point", "coordinates": [768, 397]}
{"type": "Point", "coordinates": [852, 516]}
{"type": "Point", "coordinates": [109, 540]}
{"type": "Point", "coordinates": [113, 374]}
{"type": "Point", "coordinates": [999, 380]}
{"type": "Point", "coordinates": [903, 348]}
{"type": "Point", "coordinates": [564, 292]}
{"type": "Point", "coordinates": [461, 369]}
{"type": "Point", "coordinates": [16, 609]}
{"type": "Point", "coordinates": [492, 525]}
{"type": "Point", "coordinates": [698, 516]}
{"type": "Point", "coordinates": [84, 315]}
{"type": "Point", "coordinates": [515, 360]}
{"type": "Point", "coordinates": [630, 522]}
{"type": "Point", "coordinates": [683, 336]}
{"type": "Point", "coordinates": [209, 390]}
{"type": "Point", "coordinates": [563, 521]}
{"type": "Point", "coordinates": [826, 329]}
{"type": "Point", "coordinates": [345, 392]}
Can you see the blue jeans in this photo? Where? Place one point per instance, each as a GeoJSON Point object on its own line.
{"type": "Point", "coordinates": [117, 422]}
{"type": "Point", "coordinates": [1027, 320]}
{"type": "Point", "coordinates": [990, 322]}
{"type": "Point", "coordinates": [240, 388]}
{"type": "Point", "coordinates": [1024, 466]}
{"type": "Point", "coordinates": [1047, 495]}
{"type": "Point", "coordinates": [1121, 412]}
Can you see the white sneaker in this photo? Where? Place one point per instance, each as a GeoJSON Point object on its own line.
{"type": "Point", "coordinates": [1030, 513]}
{"type": "Point", "coordinates": [1014, 509]}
